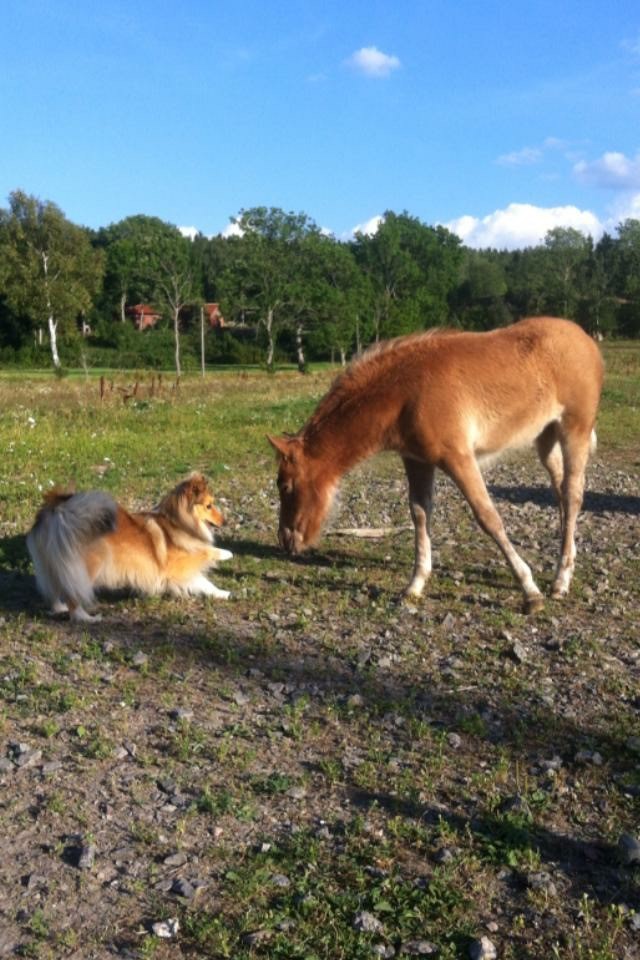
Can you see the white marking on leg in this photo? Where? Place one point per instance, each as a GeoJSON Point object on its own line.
{"type": "Point", "coordinates": [83, 617]}
{"type": "Point", "coordinates": [200, 586]}
{"type": "Point", "coordinates": [219, 554]}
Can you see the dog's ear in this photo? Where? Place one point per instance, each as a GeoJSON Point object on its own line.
{"type": "Point", "coordinates": [196, 486]}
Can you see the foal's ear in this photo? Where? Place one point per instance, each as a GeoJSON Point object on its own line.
{"type": "Point", "coordinates": [282, 445]}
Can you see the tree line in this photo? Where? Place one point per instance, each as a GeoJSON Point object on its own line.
{"type": "Point", "coordinates": [285, 288]}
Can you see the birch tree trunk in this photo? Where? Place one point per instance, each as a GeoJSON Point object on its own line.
{"type": "Point", "coordinates": [271, 347]}
{"type": "Point", "coordinates": [52, 323]}
{"type": "Point", "coordinates": [302, 363]}
{"type": "Point", "coordinates": [202, 339]}
{"type": "Point", "coordinates": [176, 333]}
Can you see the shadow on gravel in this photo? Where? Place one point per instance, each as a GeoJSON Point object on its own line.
{"type": "Point", "coordinates": [18, 591]}
{"type": "Point", "coordinates": [593, 502]}
{"type": "Point", "coordinates": [588, 865]}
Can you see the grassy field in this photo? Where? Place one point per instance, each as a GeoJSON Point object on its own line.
{"type": "Point", "coordinates": [315, 769]}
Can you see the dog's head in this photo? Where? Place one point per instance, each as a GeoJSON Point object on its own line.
{"type": "Point", "coordinates": [191, 506]}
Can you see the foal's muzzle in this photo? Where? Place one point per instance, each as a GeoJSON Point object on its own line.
{"type": "Point", "coordinates": [290, 540]}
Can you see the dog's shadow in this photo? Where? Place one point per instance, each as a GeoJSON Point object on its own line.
{"type": "Point", "coordinates": [18, 593]}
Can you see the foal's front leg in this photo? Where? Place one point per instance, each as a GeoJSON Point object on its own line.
{"type": "Point", "coordinates": [420, 477]}
{"type": "Point", "coordinates": [465, 472]}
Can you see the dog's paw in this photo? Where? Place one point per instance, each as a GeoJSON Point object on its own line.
{"type": "Point", "coordinates": [218, 594]}
{"type": "Point", "coordinates": [81, 616]}
{"type": "Point", "coordinates": [223, 554]}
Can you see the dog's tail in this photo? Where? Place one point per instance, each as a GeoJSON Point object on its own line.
{"type": "Point", "coordinates": [66, 522]}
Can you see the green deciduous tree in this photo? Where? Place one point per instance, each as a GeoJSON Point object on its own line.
{"type": "Point", "coordinates": [49, 271]}
{"type": "Point", "coordinates": [266, 272]}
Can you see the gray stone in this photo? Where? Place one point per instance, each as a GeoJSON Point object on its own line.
{"type": "Point", "coordinates": [365, 922]}
{"type": "Point", "coordinates": [482, 949]}
{"type": "Point", "coordinates": [87, 856]}
{"type": "Point", "coordinates": [183, 888]}
{"type": "Point", "coordinates": [175, 860]}
{"type": "Point", "coordinates": [419, 948]}
{"type": "Point", "coordinates": [166, 929]}
{"type": "Point", "coordinates": [629, 848]}
{"type": "Point", "coordinates": [279, 880]}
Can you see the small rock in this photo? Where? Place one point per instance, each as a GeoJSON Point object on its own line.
{"type": "Point", "coordinates": [297, 793]}
{"type": "Point", "coordinates": [139, 659]}
{"type": "Point", "coordinates": [183, 888]}
{"type": "Point", "coordinates": [87, 856]}
{"type": "Point", "coordinates": [551, 766]}
{"type": "Point", "coordinates": [181, 714]}
{"type": "Point", "coordinates": [518, 652]}
{"type": "Point", "coordinates": [444, 855]}
{"type": "Point", "coordinates": [634, 921]}
{"type": "Point", "coordinates": [482, 949]}
{"type": "Point", "coordinates": [589, 756]}
{"type": "Point", "coordinates": [384, 950]}
{"type": "Point", "coordinates": [279, 880]}
{"type": "Point", "coordinates": [629, 848]}
{"type": "Point", "coordinates": [454, 740]}
{"type": "Point", "coordinates": [166, 929]}
{"type": "Point", "coordinates": [448, 623]}
{"type": "Point", "coordinates": [28, 758]}
{"type": "Point", "coordinates": [541, 881]}
{"type": "Point", "coordinates": [419, 948]}
{"type": "Point", "coordinates": [6, 765]}
{"type": "Point", "coordinates": [633, 744]}
{"type": "Point", "coordinates": [175, 860]}
{"type": "Point", "coordinates": [256, 937]}
{"type": "Point", "coordinates": [365, 922]}
{"type": "Point", "coordinates": [517, 804]}
{"type": "Point", "coordinates": [52, 766]}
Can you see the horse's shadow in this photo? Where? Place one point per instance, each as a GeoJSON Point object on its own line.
{"type": "Point", "coordinates": [542, 496]}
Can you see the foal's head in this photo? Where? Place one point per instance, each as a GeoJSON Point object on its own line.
{"type": "Point", "coordinates": [304, 498]}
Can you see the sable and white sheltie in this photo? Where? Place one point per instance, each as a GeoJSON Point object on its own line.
{"type": "Point", "coordinates": [84, 541]}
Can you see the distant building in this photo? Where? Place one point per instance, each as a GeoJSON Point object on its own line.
{"type": "Point", "coordinates": [213, 315]}
{"type": "Point", "coordinates": [143, 315]}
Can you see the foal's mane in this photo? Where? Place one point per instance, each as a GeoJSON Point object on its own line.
{"type": "Point", "coordinates": [363, 372]}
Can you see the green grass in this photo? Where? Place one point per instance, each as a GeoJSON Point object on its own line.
{"type": "Point", "coordinates": [321, 746]}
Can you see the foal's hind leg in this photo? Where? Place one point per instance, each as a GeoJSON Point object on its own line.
{"type": "Point", "coordinates": [420, 477]}
{"type": "Point", "coordinates": [550, 453]}
{"type": "Point", "coordinates": [465, 472]}
{"type": "Point", "coordinates": [575, 450]}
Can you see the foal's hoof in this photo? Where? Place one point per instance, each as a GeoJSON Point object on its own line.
{"type": "Point", "coordinates": [533, 604]}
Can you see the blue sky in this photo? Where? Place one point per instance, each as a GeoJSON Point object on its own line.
{"type": "Point", "coordinates": [498, 119]}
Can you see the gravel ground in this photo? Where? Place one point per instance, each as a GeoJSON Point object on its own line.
{"type": "Point", "coordinates": [148, 763]}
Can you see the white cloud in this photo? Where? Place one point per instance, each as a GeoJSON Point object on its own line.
{"type": "Point", "coordinates": [368, 228]}
{"type": "Point", "coordinates": [373, 62]}
{"type": "Point", "coordinates": [626, 207]}
{"type": "Point", "coordinates": [524, 157]}
{"type": "Point", "coordinates": [232, 230]}
{"type": "Point", "coordinates": [189, 232]}
{"type": "Point", "coordinates": [612, 170]}
{"type": "Point", "coordinates": [521, 225]}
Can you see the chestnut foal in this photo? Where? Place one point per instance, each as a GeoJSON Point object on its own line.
{"type": "Point", "coordinates": [448, 400]}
